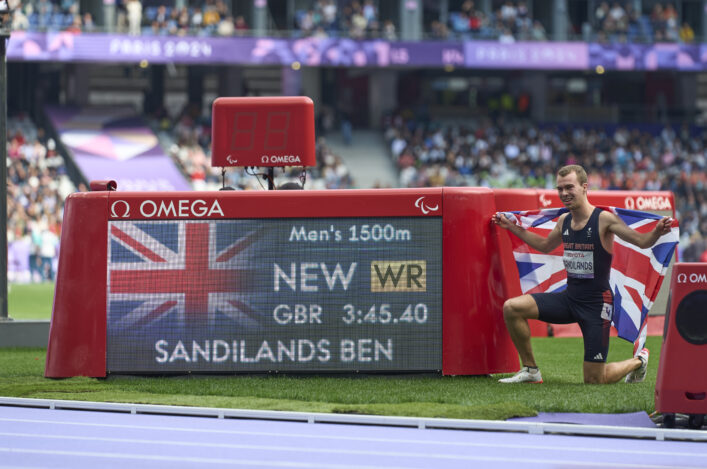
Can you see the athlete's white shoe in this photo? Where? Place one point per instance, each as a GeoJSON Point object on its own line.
{"type": "Point", "coordinates": [525, 375]}
{"type": "Point", "coordinates": [639, 374]}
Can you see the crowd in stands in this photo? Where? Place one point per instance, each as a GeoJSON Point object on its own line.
{"type": "Point", "coordinates": [37, 186]}
{"type": "Point", "coordinates": [212, 18]}
{"type": "Point", "coordinates": [508, 21]}
{"type": "Point", "coordinates": [356, 19]}
{"type": "Point", "coordinates": [621, 22]}
{"type": "Point", "coordinates": [188, 140]}
{"type": "Point", "coordinates": [523, 154]}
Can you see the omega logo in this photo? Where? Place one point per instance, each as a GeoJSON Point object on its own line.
{"type": "Point", "coordinates": [169, 209]}
{"type": "Point", "coordinates": [119, 203]}
{"type": "Point", "coordinates": [264, 159]}
{"type": "Point", "coordinates": [692, 278]}
{"type": "Point", "coordinates": [648, 203]}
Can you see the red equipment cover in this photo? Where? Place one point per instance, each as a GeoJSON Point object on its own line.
{"type": "Point", "coordinates": [474, 337]}
{"type": "Point", "coordinates": [682, 382]}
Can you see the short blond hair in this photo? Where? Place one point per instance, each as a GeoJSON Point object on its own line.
{"type": "Point", "coordinates": [574, 168]}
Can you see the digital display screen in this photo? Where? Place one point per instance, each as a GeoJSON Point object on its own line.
{"type": "Point", "coordinates": [295, 294]}
{"type": "Point", "coordinates": [263, 131]}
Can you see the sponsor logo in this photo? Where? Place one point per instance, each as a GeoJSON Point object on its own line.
{"type": "Point", "coordinates": [692, 278]}
{"type": "Point", "coordinates": [281, 159]}
{"type": "Point", "coordinates": [648, 203]}
{"type": "Point", "coordinates": [168, 209]}
{"type": "Point", "coordinates": [398, 276]}
{"type": "Point", "coordinates": [566, 233]}
{"type": "Point", "coordinates": [231, 159]}
{"type": "Point", "coordinates": [589, 232]}
{"type": "Point", "coordinates": [598, 356]}
{"type": "Point", "coordinates": [116, 208]}
{"type": "Point", "coordinates": [419, 203]}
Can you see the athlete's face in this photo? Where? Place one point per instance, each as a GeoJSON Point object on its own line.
{"type": "Point", "coordinates": [571, 192]}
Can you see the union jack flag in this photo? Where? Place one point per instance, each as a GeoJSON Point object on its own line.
{"type": "Point", "coordinates": [636, 274]}
{"type": "Point", "coordinates": [187, 273]}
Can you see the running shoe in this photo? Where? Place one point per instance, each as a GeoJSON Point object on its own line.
{"type": "Point", "coordinates": [639, 374]}
{"type": "Point", "coordinates": [525, 375]}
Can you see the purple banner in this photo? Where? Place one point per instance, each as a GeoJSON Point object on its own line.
{"type": "Point", "coordinates": [526, 55]}
{"type": "Point", "coordinates": [350, 53]}
{"type": "Point", "coordinates": [209, 50]}
{"type": "Point", "coordinates": [122, 48]}
{"type": "Point", "coordinates": [111, 143]}
{"type": "Point", "coordinates": [68, 47]}
{"type": "Point", "coordinates": [648, 56]}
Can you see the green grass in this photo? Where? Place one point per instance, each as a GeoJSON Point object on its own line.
{"type": "Point", "coordinates": [30, 301]}
{"type": "Point", "coordinates": [21, 375]}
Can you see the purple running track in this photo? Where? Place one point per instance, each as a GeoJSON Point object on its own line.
{"type": "Point", "coordinates": [32, 437]}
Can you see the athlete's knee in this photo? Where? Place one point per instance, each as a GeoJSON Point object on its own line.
{"type": "Point", "coordinates": [511, 309]}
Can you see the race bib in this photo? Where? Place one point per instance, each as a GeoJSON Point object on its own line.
{"type": "Point", "coordinates": [579, 264]}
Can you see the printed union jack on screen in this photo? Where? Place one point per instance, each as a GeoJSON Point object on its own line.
{"type": "Point", "coordinates": [636, 274]}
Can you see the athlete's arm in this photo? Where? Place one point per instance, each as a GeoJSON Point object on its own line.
{"type": "Point", "coordinates": [616, 225]}
{"type": "Point", "coordinates": [535, 241]}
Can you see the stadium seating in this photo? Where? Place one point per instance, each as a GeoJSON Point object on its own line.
{"type": "Point", "coordinates": [37, 187]}
{"type": "Point", "coordinates": [521, 154]}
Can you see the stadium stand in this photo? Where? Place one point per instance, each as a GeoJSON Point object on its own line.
{"type": "Point", "coordinates": [506, 21]}
{"type": "Point", "coordinates": [37, 186]}
{"type": "Point", "coordinates": [524, 154]}
{"type": "Point", "coordinates": [500, 153]}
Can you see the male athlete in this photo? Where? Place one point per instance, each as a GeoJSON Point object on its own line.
{"type": "Point", "coordinates": [587, 234]}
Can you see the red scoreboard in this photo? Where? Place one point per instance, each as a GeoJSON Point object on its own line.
{"type": "Point", "coordinates": [267, 131]}
{"type": "Point", "coordinates": [299, 281]}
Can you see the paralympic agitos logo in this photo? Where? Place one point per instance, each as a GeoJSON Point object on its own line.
{"type": "Point", "coordinates": [182, 208]}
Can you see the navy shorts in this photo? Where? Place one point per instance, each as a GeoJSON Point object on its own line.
{"type": "Point", "coordinates": [593, 317]}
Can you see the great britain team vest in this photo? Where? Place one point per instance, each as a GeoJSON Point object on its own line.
{"type": "Point", "coordinates": [587, 263]}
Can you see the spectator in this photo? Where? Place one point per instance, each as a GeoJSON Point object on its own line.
{"type": "Point", "coordinates": [76, 25]}
{"type": "Point", "coordinates": [226, 27]}
{"type": "Point", "coordinates": [197, 18]}
{"type": "Point", "coordinates": [506, 37]}
{"type": "Point", "coordinates": [389, 32]}
{"type": "Point", "coordinates": [538, 32]}
{"type": "Point", "coordinates": [134, 14]}
{"type": "Point", "coordinates": [328, 13]}
{"type": "Point", "coordinates": [240, 25]}
{"type": "Point", "coordinates": [687, 34]}
{"type": "Point", "coordinates": [19, 21]}
{"type": "Point", "coordinates": [88, 24]}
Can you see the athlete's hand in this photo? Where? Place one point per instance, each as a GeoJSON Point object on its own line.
{"type": "Point", "coordinates": [663, 226]}
{"type": "Point", "coordinates": [500, 219]}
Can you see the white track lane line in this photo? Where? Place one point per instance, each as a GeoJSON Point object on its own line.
{"type": "Point", "coordinates": [427, 442]}
{"type": "Point", "coordinates": [265, 447]}
{"type": "Point", "coordinates": [151, 457]}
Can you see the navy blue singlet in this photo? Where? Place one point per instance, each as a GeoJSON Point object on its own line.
{"type": "Point", "coordinates": [587, 263]}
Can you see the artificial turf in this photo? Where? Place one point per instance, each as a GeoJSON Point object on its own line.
{"type": "Point", "coordinates": [468, 397]}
